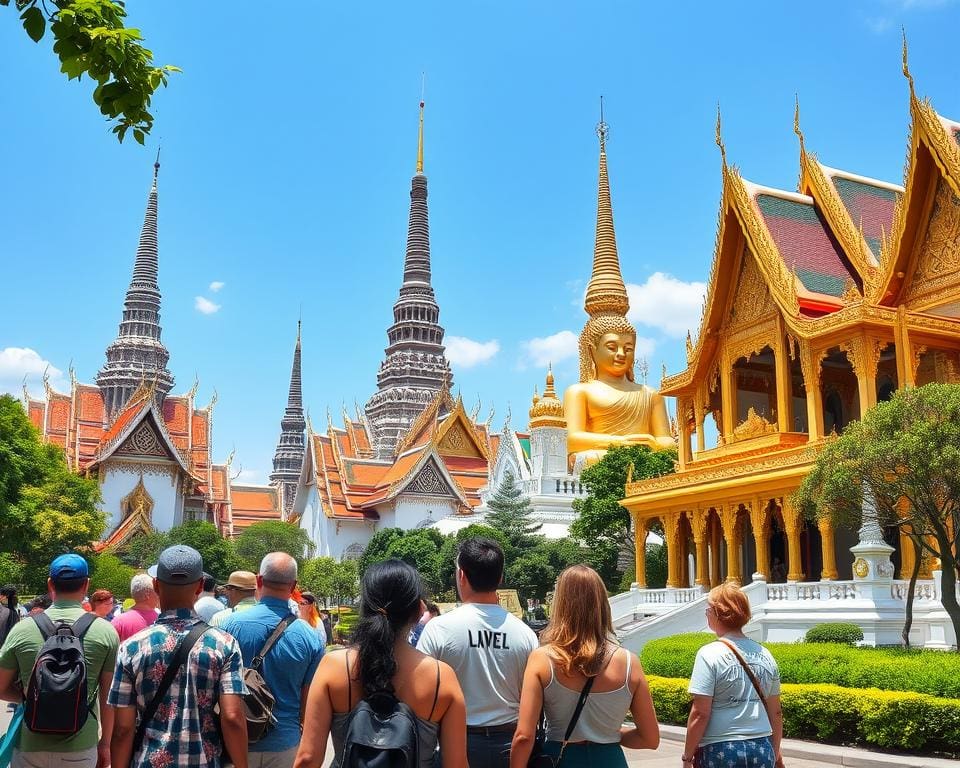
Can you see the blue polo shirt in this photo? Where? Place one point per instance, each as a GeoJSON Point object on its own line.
{"type": "Point", "coordinates": [288, 668]}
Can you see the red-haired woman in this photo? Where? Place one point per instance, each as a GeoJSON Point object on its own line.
{"type": "Point", "coordinates": [579, 646]}
{"type": "Point", "coordinates": [731, 722]}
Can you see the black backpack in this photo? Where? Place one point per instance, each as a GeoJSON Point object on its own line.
{"type": "Point", "coordinates": [56, 699]}
{"type": "Point", "coordinates": [381, 733]}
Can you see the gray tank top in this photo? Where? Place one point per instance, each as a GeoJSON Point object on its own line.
{"type": "Point", "coordinates": [428, 732]}
{"type": "Point", "coordinates": [602, 714]}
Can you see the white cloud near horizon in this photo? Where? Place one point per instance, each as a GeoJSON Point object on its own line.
{"type": "Point", "coordinates": [251, 477]}
{"type": "Point", "coordinates": [666, 303]}
{"type": "Point", "coordinates": [204, 305]}
{"type": "Point", "coordinates": [466, 353]}
{"type": "Point", "coordinates": [216, 285]}
{"type": "Point", "coordinates": [17, 363]}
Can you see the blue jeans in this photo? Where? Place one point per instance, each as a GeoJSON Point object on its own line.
{"type": "Point", "coordinates": [587, 755]}
{"type": "Point", "coordinates": [491, 750]}
{"type": "Point", "coordinates": [749, 753]}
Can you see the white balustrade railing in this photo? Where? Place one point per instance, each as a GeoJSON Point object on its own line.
{"type": "Point", "coordinates": [813, 590]}
{"type": "Point", "coordinates": [630, 606]}
{"type": "Point", "coordinates": [923, 590]}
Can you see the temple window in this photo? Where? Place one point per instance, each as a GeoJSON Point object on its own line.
{"type": "Point", "coordinates": [841, 396]}
{"type": "Point", "coordinates": [755, 391]}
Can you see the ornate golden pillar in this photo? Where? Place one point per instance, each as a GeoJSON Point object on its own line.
{"type": "Point", "coordinates": [906, 368]}
{"type": "Point", "coordinates": [671, 522]}
{"type": "Point", "coordinates": [793, 524]}
{"type": "Point", "coordinates": [907, 556]}
{"type": "Point", "coordinates": [716, 541]}
{"type": "Point", "coordinates": [731, 534]}
{"type": "Point", "coordinates": [728, 398]}
{"type": "Point", "coordinates": [640, 550]}
{"type": "Point", "coordinates": [699, 416]}
{"type": "Point", "coordinates": [698, 524]}
{"type": "Point", "coordinates": [863, 354]}
{"type": "Point", "coordinates": [782, 370]}
{"type": "Point", "coordinates": [760, 521]}
{"type": "Point", "coordinates": [683, 425]}
{"type": "Point", "coordinates": [810, 363]}
{"type": "Point", "coordinates": [829, 549]}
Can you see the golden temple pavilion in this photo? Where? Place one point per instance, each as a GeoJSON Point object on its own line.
{"type": "Point", "coordinates": [820, 303]}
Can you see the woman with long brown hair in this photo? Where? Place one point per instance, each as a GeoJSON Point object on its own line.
{"type": "Point", "coordinates": [579, 658]}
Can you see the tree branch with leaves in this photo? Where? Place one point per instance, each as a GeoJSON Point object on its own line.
{"type": "Point", "coordinates": [90, 38]}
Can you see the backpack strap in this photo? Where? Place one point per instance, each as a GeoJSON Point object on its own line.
{"type": "Point", "coordinates": [45, 624]}
{"type": "Point", "coordinates": [281, 627]}
{"type": "Point", "coordinates": [436, 693]}
{"type": "Point", "coordinates": [81, 625]}
{"type": "Point", "coordinates": [183, 650]}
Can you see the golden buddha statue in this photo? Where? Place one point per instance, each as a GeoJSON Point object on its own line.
{"type": "Point", "coordinates": [608, 407]}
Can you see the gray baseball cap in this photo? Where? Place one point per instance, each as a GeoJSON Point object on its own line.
{"type": "Point", "coordinates": [178, 564]}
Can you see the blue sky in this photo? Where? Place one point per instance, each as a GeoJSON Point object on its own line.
{"type": "Point", "coordinates": [290, 138]}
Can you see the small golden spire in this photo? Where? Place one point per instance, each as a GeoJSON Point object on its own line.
{"type": "Point", "coordinates": [549, 391]}
{"type": "Point", "coordinates": [719, 139]}
{"type": "Point", "coordinates": [420, 135]}
{"type": "Point", "coordinates": [906, 66]}
{"type": "Point", "coordinates": [796, 123]}
{"type": "Point", "coordinates": [606, 291]}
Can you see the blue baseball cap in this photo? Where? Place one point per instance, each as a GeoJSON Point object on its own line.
{"type": "Point", "coordinates": [69, 567]}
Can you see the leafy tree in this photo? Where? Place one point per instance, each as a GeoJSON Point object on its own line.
{"type": "Point", "coordinates": [219, 557]}
{"type": "Point", "coordinates": [107, 571]}
{"type": "Point", "coordinates": [421, 548]}
{"type": "Point", "coordinates": [904, 454]}
{"type": "Point", "coordinates": [11, 569]}
{"type": "Point", "coordinates": [377, 547]}
{"type": "Point", "coordinates": [531, 574]}
{"type": "Point", "coordinates": [257, 541]}
{"type": "Point", "coordinates": [45, 509]}
{"type": "Point", "coordinates": [317, 576]}
{"type": "Point", "coordinates": [511, 513]}
{"type": "Point", "coordinates": [142, 551]}
{"type": "Point", "coordinates": [90, 39]}
{"type": "Point", "coordinates": [602, 524]}
{"type": "Point", "coordinates": [656, 569]}
{"type": "Point", "coordinates": [345, 582]}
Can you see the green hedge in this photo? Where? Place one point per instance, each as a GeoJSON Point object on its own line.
{"type": "Point", "coordinates": [912, 722]}
{"type": "Point", "coordinates": [835, 632]}
{"type": "Point", "coordinates": [890, 669]}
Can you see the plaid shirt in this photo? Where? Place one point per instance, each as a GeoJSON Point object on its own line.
{"type": "Point", "coordinates": [184, 732]}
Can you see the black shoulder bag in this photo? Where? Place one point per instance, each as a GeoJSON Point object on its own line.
{"type": "Point", "coordinates": [537, 758]}
{"type": "Point", "coordinates": [179, 657]}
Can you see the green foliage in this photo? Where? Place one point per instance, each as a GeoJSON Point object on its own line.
{"type": "Point", "coordinates": [45, 509]}
{"type": "Point", "coordinates": [421, 548]}
{"type": "Point", "coordinates": [510, 512]}
{"type": "Point", "coordinates": [12, 570]}
{"type": "Point", "coordinates": [828, 713]}
{"type": "Point", "coordinates": [107, 571]}
{"type": "Point", "coordinates": [905, 448]}
{"type": "Point", "coordinates": [142, 551]}
{"type": "Point", "coordinates": [327, 578]}
{"type": "Point", "coordinates": [219, 557]}
{"type": "Point", "coordinates": [257, 541]}
{"type": "Point", "coordinates": [837, 632]}
{"type": "Point", "coordinates": [602, 523]}
{"type": "Point", "coordinates": [376, 550]}
{"type": "Point", "coordinates": [448, 551]}
{"type": "Point", "coordinates": [90, 39]}
{"type": "Point", "coordinates": [894, 669]}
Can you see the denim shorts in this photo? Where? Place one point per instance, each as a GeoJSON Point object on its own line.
{"type": "Point", "coordinates": [748, 753]}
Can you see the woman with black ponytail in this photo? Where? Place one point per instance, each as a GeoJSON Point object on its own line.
{"type": "Point", "coordinates": [382, 664]}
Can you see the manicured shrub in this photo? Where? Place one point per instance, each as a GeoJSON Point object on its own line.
{"type": "Point", "coordinates": [912, 722]}
{"type": "Point", "coordinates": [836, 632]}
{"type": "Point", "coordinates": [890, 669]}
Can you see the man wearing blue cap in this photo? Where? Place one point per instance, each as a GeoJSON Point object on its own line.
{"type": "Point", "coordinates": [68, 582]}
{"type": "Point", "coordinates": [179, 726]}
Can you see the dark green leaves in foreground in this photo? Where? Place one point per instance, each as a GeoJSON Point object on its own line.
{"type": "Point", "coordinates": [90, 38]}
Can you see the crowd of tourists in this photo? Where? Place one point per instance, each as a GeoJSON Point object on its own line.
{"type": "Point", "coordinates": [179, 679]}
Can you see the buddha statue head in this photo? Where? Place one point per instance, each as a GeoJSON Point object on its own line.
{"type": "Point", "coordinates": [607, 344]}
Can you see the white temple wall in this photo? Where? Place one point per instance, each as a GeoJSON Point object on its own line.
{"type": "Point", "coordinates": [161, 483]}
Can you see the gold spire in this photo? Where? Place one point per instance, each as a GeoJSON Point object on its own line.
{"type": "Point", "coordinates": [547, 411]}
{"type": "Point", "coordinates": [719, 139]}
{"type": "Point", "coordinates": [796, 123]}
{"type": "Point", "coordinates": [605, 291]}
{"type": "Point", "coordinates": [906, 67]}
{"type": "Point", "coordinates": [420, 137]}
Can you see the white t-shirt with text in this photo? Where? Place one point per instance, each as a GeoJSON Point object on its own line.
{"type": "Point", "coordinates": [488, 648]}
{"type": "Point", "coordinates": [737, 711]}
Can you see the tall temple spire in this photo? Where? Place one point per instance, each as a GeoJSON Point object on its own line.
{"type": "Point", "coordinates": [137, 355]}
{"type": "Point", "coordinates": [288, 458]}
{"type": "Point", "coordinates": [606, 291]}
{"type": "Point", "coordinates": [415, 367]}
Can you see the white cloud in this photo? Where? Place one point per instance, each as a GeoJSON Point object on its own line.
{"type": "Point", "coordinates": [216, 285]}
{"type": "Point", "coordinates": [251, 477]}
{"type": "Point", "coordinates": [878, 24]}
{"type": "Point", "coordinates": [667, 304]}
{"type": "Point", "coordinates": [204, 305]}
{"type": "Point", "coordinates": [17, 363]}
{"type": "Point", "coordinates": [466, 353]}
{"type": "Point", "coordinates": [551, 349]}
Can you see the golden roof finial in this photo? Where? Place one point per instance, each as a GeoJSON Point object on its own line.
{"type": "Point", "coordinates": [549, 391]}
{"type": "Point", "coordinates": [906, 66]}
{"type": "Point", "coordinates": [606, 291]}
{"type": "Point", "coordinates": [796, 123]}
{"type": "Point", "coordinates": [719, 138]}
{"type": "Point", "coordinates": [423, 82]}
{"type": "Point", "coordinates": [547, 411]}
